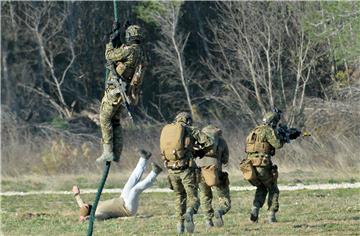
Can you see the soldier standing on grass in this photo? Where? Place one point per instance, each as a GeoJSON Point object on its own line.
{"type": "Point", "coordinates": [127, 59]}
{"type": "Point", "coordinates": [261, 144]}
{"type": "Point", "coordinates": [177, 141]}
{"type": "Point", "coordinates": [211, 177]}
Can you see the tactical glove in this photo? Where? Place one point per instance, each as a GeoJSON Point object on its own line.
{"type": "Point", "coordinates": [294, 133]}
{"type": "Point", "coordinates": [108, 154]}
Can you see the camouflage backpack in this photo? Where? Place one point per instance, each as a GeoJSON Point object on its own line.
{"type": "Point", "coordinates": [213, 133]}
{"type": "Point", "coordinates": [173, 142]}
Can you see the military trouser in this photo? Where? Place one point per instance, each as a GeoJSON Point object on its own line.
{"type": "Point", "coordinates": [110, 114]}
{"type": "Point", "coordinates": [270, 187]}
{"type": "Point", "coordinates": [206, 196]}
{"type": "Point", "coordinates": [185, 188]}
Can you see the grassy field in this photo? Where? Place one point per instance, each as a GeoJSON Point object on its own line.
{"type": "Point", "coordinates": [304, 212]}
{"type": "Point", "coordinates": [117, 179]}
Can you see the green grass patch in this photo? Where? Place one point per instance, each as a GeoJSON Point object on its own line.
{"type": "Point", "coordinates": [304, 212]}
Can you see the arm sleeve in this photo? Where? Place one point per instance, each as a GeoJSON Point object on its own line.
{"type": "Point", "coordinates": [79, 201]}
{"type": "Point", "coordinates": [274, 139]}
{"type": "Point", "coordinates": [116, 54]}
{"type": "Point", "coordinates": [200, 137]}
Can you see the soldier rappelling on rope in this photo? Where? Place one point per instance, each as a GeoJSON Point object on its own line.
{"type": "Point", "coordinates": [121, 87]}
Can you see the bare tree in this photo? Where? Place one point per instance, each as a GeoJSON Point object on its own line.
{"type": "Point", "coordinates": [171, 68]}
{"type": "Point", "coordinates": [262, 57]}
{"type": "Point", "coordinates": [44, 22]}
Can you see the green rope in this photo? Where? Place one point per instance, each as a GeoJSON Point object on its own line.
{"type": "Point", "coordinates": [98, 194]}
{"type": "Point", "coordinates": [107, 164]}
{"type": "Point", "coordinates": [116, 16]}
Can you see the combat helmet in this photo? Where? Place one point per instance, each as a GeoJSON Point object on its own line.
{"type": "Point", "coordinates": [272, 118]}
{"type": "Point", "coordinates": [184, 117]}
{"type": "Point", "coordinates": [132, 33]}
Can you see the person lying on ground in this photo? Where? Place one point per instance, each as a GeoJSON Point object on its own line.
{"type": "Point", "coordinates": [127, 203]}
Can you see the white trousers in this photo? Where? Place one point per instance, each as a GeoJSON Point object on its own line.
{"type": "Point", "coordinates": [134, 187]}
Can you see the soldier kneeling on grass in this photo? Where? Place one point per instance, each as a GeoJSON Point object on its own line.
{"type": "Point", "coordinates": [211, 177]}
{"type": "Point", "coordinates": [127, 203]}
{"type": "Point", "coordinates": [258, 168]}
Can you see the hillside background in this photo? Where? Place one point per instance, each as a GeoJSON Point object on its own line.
{"type": "Point", "coordinates": [225, 62]}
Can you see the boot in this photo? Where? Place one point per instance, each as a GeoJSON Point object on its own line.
{"type": "Point", "coordinates": [219, 222]}
{"type": "Point", "coordinates": [272, 217]}
{"type": "Point", "coordinates": [154, 167]}
{"type": "Point", "coordinates": [254, 214]}
{"type": "Point", "coordinates": [108, 154]}
{"type": "Point", "coordinates": [189, 221]}
{"type": "Point", "coordinates": [209, 223]}
{"type": "Point", "coordinates": [144, 154]}
{"type": "Point", "coordinates": [180, 228]}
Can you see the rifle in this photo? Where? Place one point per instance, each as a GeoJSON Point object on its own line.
{"type": "Point", "coordinates": [118, 85]}
{"type": "Point", "coordinates": [288, 134]}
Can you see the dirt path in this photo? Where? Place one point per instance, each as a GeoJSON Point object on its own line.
{"type": "Point", "coordinates": [166, 190]}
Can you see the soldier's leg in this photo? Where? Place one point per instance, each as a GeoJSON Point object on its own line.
{"type": "Point", "coordinates": [223, 193]}
{"type": "Point", "coordinates": [189, 181]}
{"type": "Point", "coordinates": [107, 111]}
{"type": "Point", "coordinates": [180, 199]}
{"type": "Point", "coordinates": [273, 202]}
{"type": "Point", "coordinates": [117, 134]}
{"type": "Point", "coordinates": [260, 196]}
{"type": "Point", "coordinates": [132, 202]}
{"type": "Point", "coordinates": [273, 198]}
{"type": "Point", "coordinates": [179, 190]}
{"type": "Point", "coordinates": [206, 197]}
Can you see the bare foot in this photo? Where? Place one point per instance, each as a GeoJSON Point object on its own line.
{"type": "Point", "coordinates": [75, 190]}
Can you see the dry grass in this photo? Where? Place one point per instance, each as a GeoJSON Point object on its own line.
{"type": "Point", "coordinates": [47, 150]}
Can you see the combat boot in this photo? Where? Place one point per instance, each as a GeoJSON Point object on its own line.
{"type": "Point", "coordinates": [154, 167]}
{"type": "Point", "coordinates": [108, 154]}
{"type": "Point", "coordinates": [180, 228]}
{"type": "Point", "coordinates": [272, 217]}
{"type": "Point", "coordinates": [144, 154]}
{"type": "Point", "coordinates": [189, 221]}
{"type": "Point", "coordinates": [219, 222]}
{"type": "Point", "coordinates": [209, 223]}
{"type": "Point", "coordinates": [254, 214]}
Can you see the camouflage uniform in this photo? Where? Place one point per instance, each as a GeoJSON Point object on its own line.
{"type": "Point", "coordinates": [265, 171]}
{"type": "Point", "coordinates": [126, 58]}
{"type": "Point", "coordinates": [221, 157]}
{"type": "Point", "coordinates": [183, 179]}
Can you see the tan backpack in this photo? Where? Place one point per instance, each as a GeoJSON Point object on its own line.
{"type": "Point", "coordinates": [172, 141]}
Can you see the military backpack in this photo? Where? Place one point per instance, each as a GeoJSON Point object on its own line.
{"type": "Point", "coordinates": [173, 142]}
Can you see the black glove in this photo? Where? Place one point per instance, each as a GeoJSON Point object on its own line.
{"type": "Point", "coordinates": [294, 133]}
